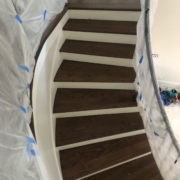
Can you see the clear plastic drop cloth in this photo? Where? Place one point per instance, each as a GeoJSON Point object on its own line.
{"type": "Point", "coordinates": [162, 145]}
{"type": "Point", "coordinates": [173, 113]}
{"type": "Point", "coordinates": [21, 26]}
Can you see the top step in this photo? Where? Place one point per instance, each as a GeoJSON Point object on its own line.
{"type": "Point", "coordinates": [117, 5]}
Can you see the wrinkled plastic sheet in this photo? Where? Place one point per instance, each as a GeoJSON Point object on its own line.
{"type": "Point", "coordinates": [163, 149]}
{"type": "Point", "coordinates": [173, 113]}
{"type": "Point", "coordinates": [21, 26]}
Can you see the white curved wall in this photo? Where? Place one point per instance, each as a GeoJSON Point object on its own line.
{"type": "Point", "coordinates": [43, 99]}
{"type": "Point", "coordinates": [166, 41]}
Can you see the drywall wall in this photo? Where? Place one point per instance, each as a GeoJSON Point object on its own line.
{"type": "Point", "coordinates": [166, 41]}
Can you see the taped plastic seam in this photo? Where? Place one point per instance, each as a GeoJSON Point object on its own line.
{"type": "Point", "coordinates": [21, 26]}
{"type": "Point", "coordinates": [163, 149]}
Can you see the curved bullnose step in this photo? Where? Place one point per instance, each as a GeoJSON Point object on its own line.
{"type": "Point", "coordinates": [81, 161]}
{"type": "Point", "coordinates": [70, 100]}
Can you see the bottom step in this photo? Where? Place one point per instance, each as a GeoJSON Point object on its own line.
{"type": "Point", "coordinates": [140, 169]}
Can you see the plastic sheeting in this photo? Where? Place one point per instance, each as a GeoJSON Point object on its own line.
{"type": "Point", "coordinates": [21, 26]}
{"type": "Point", "coordinates": [162, 145]}
{"type": "Point", "coordinates": [173, 113]}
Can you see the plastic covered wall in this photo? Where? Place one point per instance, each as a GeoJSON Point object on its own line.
{"type": "Point", "coordinates": [157, 127]}
{"type": "Point", "coordinates": [21, 26]}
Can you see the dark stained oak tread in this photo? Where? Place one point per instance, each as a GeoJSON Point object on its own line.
{"type": "Point", "coordinates": [158, 177]}
{"type": "Point", "coordinates": [101, 26]}
{"type": "Point", "coordinates": [99, 49]}
{"type": "Point", "coordinates": [84, 160]}
{"type": "Point", "coordinates": [78, 129]}
{"type": "Point", "coordinates": [70, 100]}
{"type": "Point", "coordinates": [74, 71]}
{"type": "Point", "coordinates": [127, 2]}
{"type": "Point", "coordinates": [143, 168]}
{"type": "Point", "coordinates": [106, 6]}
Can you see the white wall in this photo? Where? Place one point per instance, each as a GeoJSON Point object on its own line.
{"type": "Point", "coordinates": [166, 41]}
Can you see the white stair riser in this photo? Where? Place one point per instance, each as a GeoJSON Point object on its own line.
{"type": "Point", "coordinates": [97, 59]}
{"type": "Point", "coordinates": [96, 112]}
{"type": "Point", "coordinates": [92, 85]}
{"type": "Point", "coordinates": [101, 37]}
{"type": "Point", "coordinates": [99, 140]}
{"type": "Point", "coordinates": [104, 15]}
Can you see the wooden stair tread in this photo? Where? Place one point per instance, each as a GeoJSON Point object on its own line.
{"type": "Point", "coordinates": [70, 100]}
{"type": "Point", "coordinates": [74, 71]}
{"type": "Point", "coordinates": [101, 26]}
{"type": "Point", "coordinates": [143, 168]}
{"type": "Point", "coordinates": [84, 160]}
{"type": "Point", "coordinates": [158, 177]}
{"type": "Point", "coordinates": [78, 129]}
{"type": "Point", "coordinates": [122, 6]}
{"type": "Point", "coordinates": [99, 48]}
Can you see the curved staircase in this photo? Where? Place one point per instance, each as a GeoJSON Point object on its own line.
{"type": "Point", "coordinates": [99, 134]}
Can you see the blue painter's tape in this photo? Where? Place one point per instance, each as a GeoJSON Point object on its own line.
{"type": "Point", "coordinates": [151, 120]}
{"type": "Point", "coordinates": [140, 97]}
{"type": "Point", "coordinates": [31, 140]}
{"type": "Point", "coordinates": [33, 153]}
{"type": "Point", "coordinates": [156, 134]}
{"type": "Point", "coordinates": [28, 86]}
{"type": "Point", "coordinates": [141, 60]}
{"type": "Point", "coordinates": [30, 151]}
{"type": "Point", "coordinates": [25, 68]}
{"type": "Point", "coordinates": [45, 12]}
{"type": "Point", "coordinates": [23, 109]}
{"type": "Point", "coordinates": [18, 19]}
{"type": "Point", "coordinates": [138, 83]}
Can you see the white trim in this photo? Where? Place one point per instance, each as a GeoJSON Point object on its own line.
{"type": "Point", "coordinates": [96, 85]}
{"type": "Point", "coordinates": [97, 112]}
{"type": "Point", "coordinates": [42, 97]}
{"type": "Point", "coordinates": [99, 140]}
{"type": "Point", "coordinates": [100, 37]}
{"type": "Point", "coordinates": [104, 15]}
{"type": "Point", "coordinates": [129, 160]}
{"type": "Point", "coordinates": [98, 59]}
{"type": "Point", "coordinates": [169, 84]}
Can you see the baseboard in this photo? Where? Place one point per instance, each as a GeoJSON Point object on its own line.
{"type": "Point", "coordinates": [169, 84]}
